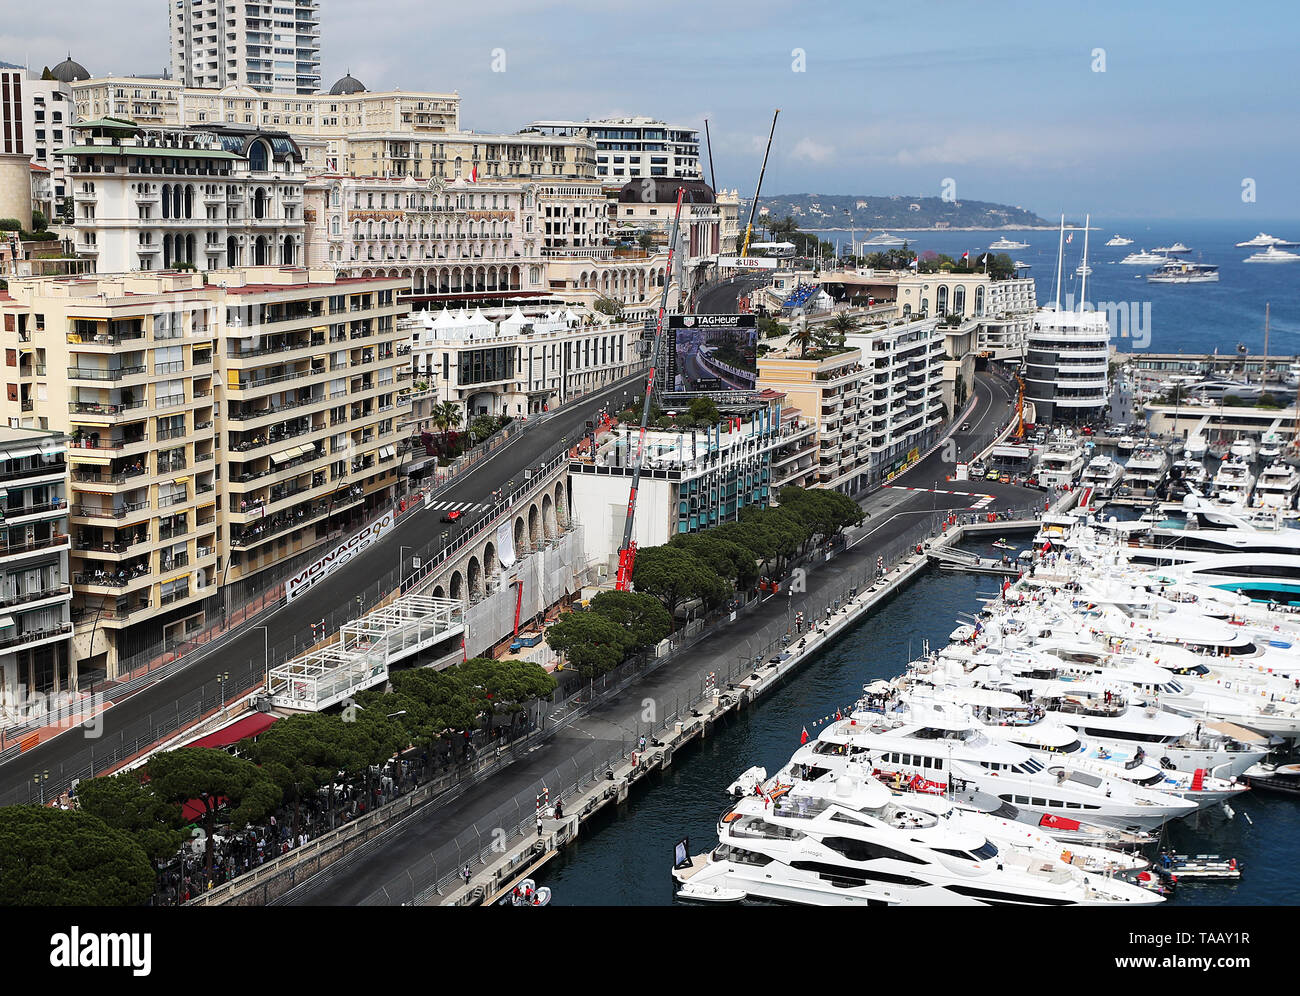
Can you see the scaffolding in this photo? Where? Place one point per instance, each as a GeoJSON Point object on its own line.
{"type": "Point", "coordinates": [365, 651]}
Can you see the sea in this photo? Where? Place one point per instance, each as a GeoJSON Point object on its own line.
{"type": "Point", "coordinates": [1185, 318]}
{"type": "Point", "coordinates": [622, 857]}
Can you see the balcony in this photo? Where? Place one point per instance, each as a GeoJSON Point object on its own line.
{"type": "Point", "coordinates": [113, 374]}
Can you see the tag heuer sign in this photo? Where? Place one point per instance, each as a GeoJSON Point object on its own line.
{"type": "Point", "coordinates": [712, 321]}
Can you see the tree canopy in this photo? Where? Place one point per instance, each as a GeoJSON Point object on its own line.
{"type": "Point", "coordinates": [126, 802]}
{"type": "Point", "coordinates": [58, 857]}
{"type": "Point", "coordinates": [591, 644]}
{"type": "Point", "coordinates": [647, 622]}
{"type": "Point", "coordinates": [674, 576]}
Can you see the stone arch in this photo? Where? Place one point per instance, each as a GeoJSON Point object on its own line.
{"type": "Point", "coordinates": [491, 563]}
{"type": "Point", "coordinates": [514, 278]}
{"type": "Point", "coordinates": [475, 571]}
{"type": "Point", "coordinates": [521, 536]}
{"type": "Point", "coordinates": [456, 587]}
{"type": "Point", "coordinates": [439, 591]}
{"type": "Point", "coordinates": [548, 517]}
{"type": "Point", "coordinates": [534, 526]}
{"type": "Point", "coordinates": [560, 505]}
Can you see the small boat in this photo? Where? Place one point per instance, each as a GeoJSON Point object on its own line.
{"type": "Point", "coordinates": [1019, 265]}
{"type": "Point", "coordinates": [1002, 545]}
{"type": "Point", "coordinates": [542, 897]}
{"type": "Point", "coordinates": [1203, 866]}
{"type": "Point", "coordinates": [749, 779]}
{"type": "Point", "coordinates": [526, 892]}
{"type": "Point", "coordinates": [701, 893]}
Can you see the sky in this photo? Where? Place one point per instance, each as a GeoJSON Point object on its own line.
{"type": "Point", "coordinates": [1147, 109]}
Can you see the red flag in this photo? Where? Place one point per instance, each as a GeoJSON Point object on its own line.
{"type": "Point", "coordinates": [965, 256]}
{"type": "Point", "coordinates": [804, 739]}
{"type": "Point", "coordinates": [473, 175]}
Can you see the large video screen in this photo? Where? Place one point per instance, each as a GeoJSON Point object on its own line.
{"type": "Point", "coordinates": [713, 352]}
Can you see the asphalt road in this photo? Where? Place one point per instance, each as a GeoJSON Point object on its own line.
{"type": "Point", "coordinates": [892, 511]}
{"type": "Point", "coordinates": [289, 627]}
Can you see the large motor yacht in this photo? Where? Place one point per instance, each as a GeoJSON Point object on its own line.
{"type": "Point", "coordinates": [1102, 475]}
{"type": "Point", "coordinates": [1233, 483]}
{"type": "Point", "coordinates": [1266, 240]}
{"type": "Point", "coordinates": [1173, 249]}
{"type": "Point", "coordinates": [1145, 469]}
{"type": "Point", "coordinates": [1060, 465]}
{"type": "Point", "coordinates": [1179, 272]}
{"type": "Point", "coordinates": [1005, 243]}
{"type": "Point", "coordinates": [1118, 240]}
{"type": "Point", "coordinates": [848, 841]}
{"type": "Point", "coordinates": [1273, 255]}
{"type": "Point", "coordinates": [1277, 487]}
{"type": "Point", "coordinates": [1144, 258]}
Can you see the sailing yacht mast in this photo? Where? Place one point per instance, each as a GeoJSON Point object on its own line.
{"type": "Point", "coordinates": [1083, 287]}
{"type": "Point", "coordinates": [1060, 251]}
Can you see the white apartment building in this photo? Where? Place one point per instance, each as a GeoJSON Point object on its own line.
{"type": "Point", "coordinates": [1004, 308]}
{"type": "Point", "coordinates": [149, 199]}
{"type": "Point", "coordinates": [1067, 365]}
{"type": "Point", "coordinates": [877, 403]}
{"type": "Point", "coordinates": [631, 148]}
{"type": "Point", "coordinates": [519, 364]}
{"type": "Point", "coordinates": [272, 47]}
{"type": "Point", "coordinates": [35, 594]}
{"type": "Point", "coordinates": [692, 479]}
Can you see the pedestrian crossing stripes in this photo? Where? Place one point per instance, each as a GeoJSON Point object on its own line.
{"type": "Point", "coordinates": [984, 499]}
{"type": "Point", "coordinates": [456, 506]}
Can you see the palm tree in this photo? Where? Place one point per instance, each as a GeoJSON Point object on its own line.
{"type": "Point", "coordinates": [843, 323]}
{"type": "Point", "coordinates": [802, 334]}
{"type": "Point", "coordinates": [447, 416]}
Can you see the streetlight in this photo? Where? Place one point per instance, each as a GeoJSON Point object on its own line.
{"type": "Point", "coordinates": [266, 655]}
{"type": "Point", "coordinates": [222, 678]}
{"type": "Point", "coordinates": [40, 778]}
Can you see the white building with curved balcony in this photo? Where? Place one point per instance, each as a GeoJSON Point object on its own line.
{"type": "Point", "coordinates": [154, 198]}
{"type": "Point", "coordinates": [1066, 365]}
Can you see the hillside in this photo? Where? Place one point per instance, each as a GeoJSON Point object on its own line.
{"type": "Point", "coordinates": [812, 211]}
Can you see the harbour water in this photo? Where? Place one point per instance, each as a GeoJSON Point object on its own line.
{"type": "Point", "coordinates": [1187, 318]}
{"type": "Point", "coordinates": [624, 858]}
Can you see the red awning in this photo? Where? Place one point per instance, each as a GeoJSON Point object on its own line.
{"type": "Point", "coordinates": [249, 726]}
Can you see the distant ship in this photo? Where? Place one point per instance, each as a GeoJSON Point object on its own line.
{"type": "Point", "coordinates": [1083, 270]}
{"type": "Point", "coordinates": [1005, 243]}
{"type": "Point", "coordinates": [1178, 272]}
{"type": "Point", "coordinates": [1019, 265]}
{"type": "Point", "coordinates": [1177, 247]}
{"type": "Point", "coordinates": [1273, 255]}
{"type": "Point", "coordinates": [884, 239]}
{"type": "Point", "coordinates": [1266, 240]}
{"type": "Point", "coordinates": [1144, 258]}
{"type": "Point", "coordinates": [1119, 240]}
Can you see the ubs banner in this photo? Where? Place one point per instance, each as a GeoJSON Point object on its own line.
{"type": "Point", "coordinates": [329, 562]}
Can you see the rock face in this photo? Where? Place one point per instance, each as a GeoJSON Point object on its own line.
{"type": "Point", "coordinates": [855, 210]}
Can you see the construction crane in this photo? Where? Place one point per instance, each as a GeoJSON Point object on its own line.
{"type": "Point", "coordinates": [1020, 406]}
{"type": "Point", "coordinates": [749, 226]}
{"type": "Point", "coordinates": [627, 552]}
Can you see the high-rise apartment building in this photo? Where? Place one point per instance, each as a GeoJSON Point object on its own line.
{"type": "Point", "coordinates": [272, 47]}
{"type": "Point", "coordinates": [218, 427]}
{"type": "Point", "coordinates": [632, 148]}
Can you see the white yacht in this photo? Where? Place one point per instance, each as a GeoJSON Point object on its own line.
{"type": "Point", "coordinates": [1244, 448]}
{"type": "Point", "coordinates": [1277, 487]}
{"type": "Point", "coordinates": [1264, 240]}
{"type": "Point", "coordinates": [884, 239]}
{"type": "Point", "coordinates": [1195, 446]}
{"type": "Point", "coordinates": [849, 841]}
{"type": "Point", "coordinates": [948, 748]}
{"type": "Point", "coordinates": [1270, 446]}
{"type": "Point", "coordinates": [1060, 465]}
{"type": "Point", "coordinates": [1005, 243]}
{"type": "Point", "coordinates": [1179, 272]}
{"type": "Point", "coordinates": [1119, 240]}
{"type": "Point", "coordinates": [1273, 255]}
{"type": "Point", "coordinates": [1233, 483]}
{"type": "Point", "coordinates": [1126, 444]}
{"type": "Point", "coordinates": [1083, 270]}
{"type": "Point", "coordinates": [1022, 266]}
{"type": "Point", "coordinates": [1171, 250]}
{"type": "Point", "coordinates": [1191, 472]}
{"type": "Point", "coordinates": [1103, 475]}
{"type": "Point", "coordinates": [1146, 468]}
{"type": "Point", "coordinates": [1144, 258]}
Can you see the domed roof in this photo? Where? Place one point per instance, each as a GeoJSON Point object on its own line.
{"type": "Point", "coordinates": [68, 71]}
{"type": "Point", "coordinates": [663, 190]}
{"type": "Point", "coordinates": [348, 84]}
